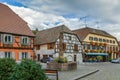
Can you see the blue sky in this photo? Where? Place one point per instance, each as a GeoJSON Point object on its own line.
{"type": "Point", "coordinates": [42, 14]}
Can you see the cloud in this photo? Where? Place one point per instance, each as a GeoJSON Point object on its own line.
{"type": "Point", "coordinates": [47, 13]}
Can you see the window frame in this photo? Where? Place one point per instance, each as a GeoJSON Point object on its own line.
{"type": "Point", "coordinates": [8, 39]}
{"type": "Point", "coordinates": [23, 42]}
{"type": "Point", "coordinates": [24, 55]}
{"type": "Point", "coordinates": [8, 54]}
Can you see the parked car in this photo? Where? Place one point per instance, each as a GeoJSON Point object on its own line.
{"type": "Point", "coordinates": [115, 60]}
{"type": "Point", "coordinates": [45, 60]}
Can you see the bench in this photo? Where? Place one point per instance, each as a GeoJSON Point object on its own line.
{"type": "Point", "coordinates": [51, 72]}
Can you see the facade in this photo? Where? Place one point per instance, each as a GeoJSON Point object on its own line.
{"type": "Point", "coordinates": [16, 38]}
{"type": "Point", "coordinates": [98, 43]}
{"type": "Point", "coordinates": [58, 41]}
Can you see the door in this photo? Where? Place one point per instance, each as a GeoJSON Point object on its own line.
{"type": "Point", "coordinates": [75, 58]}
{"type": "Point", "coordinates": [38, 57]}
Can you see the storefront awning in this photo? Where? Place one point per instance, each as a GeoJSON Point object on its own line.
{"type": "Point", "coordinates": [97, 54]}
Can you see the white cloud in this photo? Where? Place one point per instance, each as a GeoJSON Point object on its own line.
{"type": "Point", "coordinates": [47, 13]}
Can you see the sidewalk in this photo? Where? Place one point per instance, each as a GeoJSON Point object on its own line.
{"type": "Point", "coordinates": [82, 71]}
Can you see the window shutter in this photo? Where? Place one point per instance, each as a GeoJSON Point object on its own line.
{"type": "Point", "coordinates": [13, 55]}
{"type": "Point", "coordinates": [29, 55]}
{"type": "Point", "coordinates": [13, 39]}
{"type": "Point", "coordinates": [64, 46]}
{"type": "Point", "coordinates": [76, 47]}
{"type": "Point", "coordinates": [3, 38]}
{"type": "Point", "coordinates": [28, 41]}
{"type": "Point", "coordinates": [2, 55]}
{"type": "Point", "coordinates": [21, 39]}
{"type": "Point", "coordinates": [20, 55]}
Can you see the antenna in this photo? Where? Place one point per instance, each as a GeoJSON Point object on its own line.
{"type": "Point", "coordinates": [85, 20]}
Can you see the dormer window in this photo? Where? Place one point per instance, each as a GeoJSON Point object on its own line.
{"type": "Point", "coordinates": [25, 40]}
{"type": "Point", "coordinates": [8, 39]}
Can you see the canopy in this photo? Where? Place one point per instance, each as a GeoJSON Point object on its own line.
{"type": "Point", "coordinates": [97, 54]}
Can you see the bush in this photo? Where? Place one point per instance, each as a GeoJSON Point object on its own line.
{"type": "Point", "coordinates": [61, 59]}
{"type": "Point", "coordinates": [100, 58]}
{"type": "Point", "coordinates": [28, 70]}
{"type": "Point", "coordinates": [6, 68]}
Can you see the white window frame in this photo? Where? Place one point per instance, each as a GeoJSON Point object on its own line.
{"type": "Point", "coordinates": [8, 39]}
{"type": "Point", "coordinates": [8, 54]}
{"type": "Point", "coordinates": [24, 55]}
{"type": "Point", "coordinates": [25, 40]}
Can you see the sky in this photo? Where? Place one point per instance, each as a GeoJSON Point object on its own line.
{"type": "Point", "coordinates": [75, 14]}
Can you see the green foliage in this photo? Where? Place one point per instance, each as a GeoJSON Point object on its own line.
{"type": "Point", "coordinates": [100, 58]}
{"type": "Point", "coordinates": [61, 59]}
{"type": "Point", "coordinates": [28, 70]}
{"type": "Point", "coordinates": [35, 31]}
{"type": "Point", "coordinates": [6, 68]}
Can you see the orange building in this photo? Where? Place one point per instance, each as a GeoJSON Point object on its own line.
{"type": "Point", "coordinates": [16, 38]}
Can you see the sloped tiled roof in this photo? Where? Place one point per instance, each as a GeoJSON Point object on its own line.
{"type": "Point", "coordinates": [10, 22]}
{"type": "Point", "coordinates": [50, 35]}
{"type": "Point", "coordinates": [82, 33]}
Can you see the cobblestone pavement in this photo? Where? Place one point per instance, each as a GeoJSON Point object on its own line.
{"type": "Point", "coordinates": [108, 71]}
{"type": "Point", "coordinates": [69, 75]}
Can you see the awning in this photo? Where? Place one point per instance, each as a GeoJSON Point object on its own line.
{"type": "Point", "coordinates": [97, 54]}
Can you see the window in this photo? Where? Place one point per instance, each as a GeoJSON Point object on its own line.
{"type": "Point", "coordinates": [64, 46]}
{"type": "Point", "coordinates": [38, 47]}
{"type": "Point", "coordinates": [50, 46]}
{"type": "Point", "coordinates": [8, 39]}
{"type": "Point", "coordinates": [108, 41]}
{"type": "Point", "coordinates": [25, 40]}
{"type": "Point", "coordinates": [100, 39]}
{"type": "Point", "coordinates": [8, 54]}
{"type": "Point", "coordinates": [95, 39]}
{"type": "Point", "coordinates": [75, 47]}
{"type": "Point", "coordinates": [69, 37]}
{"type": "Point", "coordinates": [24, 55]}
{"type": "Point", "coordinates": [113, 42]}
{"type": "Point", "coordinates": [104, 40]}
{"type": "Point", "coordinates": [90, 38]}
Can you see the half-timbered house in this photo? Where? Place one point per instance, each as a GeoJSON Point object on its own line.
{"type": "Point", "coordinates": [58, 41]}
{"type": "Point", "coordinates": [16, 38]}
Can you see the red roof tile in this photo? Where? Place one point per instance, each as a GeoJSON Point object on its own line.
{"type": "Point", "coordinates": [82, 33]}
{"type": "Point", "coordinates": [10, 22]}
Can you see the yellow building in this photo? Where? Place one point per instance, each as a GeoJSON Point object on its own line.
{"type": "Point", "coordinates": [98, 45]}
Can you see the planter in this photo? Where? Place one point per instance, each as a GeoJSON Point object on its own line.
{"type": "Point", "coordinates": [62, 66]}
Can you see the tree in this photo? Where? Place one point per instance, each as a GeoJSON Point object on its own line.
{"type": "Point", "coordinates": [35, 31]}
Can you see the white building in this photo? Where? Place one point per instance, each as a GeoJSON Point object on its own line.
{"type": "Point", "coordinates": [58, 41]}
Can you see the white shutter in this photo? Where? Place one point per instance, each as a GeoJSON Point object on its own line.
{"type": "Point", "coordinates": [28, 41]}
{"type": "Point", "coordinates": [20, 55]}
{"type": "Point", "coordinates": [13, 55]}
{"type": "Point", "coordinates": [29, 55]}
{"type": "Point", "coordinates": [13, 39]}
{"type": "Point", "coordinates": [2, 54]}
{"type": "Point", "coordinates": [21, 38]}
{"type": "Point", "coordinates": [3, 36]}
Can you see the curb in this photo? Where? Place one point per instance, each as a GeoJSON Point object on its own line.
{"type": "Point", "coordinates": [85, 75]}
